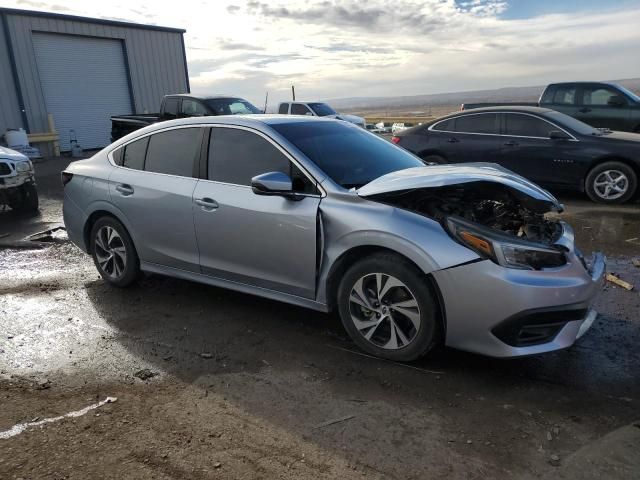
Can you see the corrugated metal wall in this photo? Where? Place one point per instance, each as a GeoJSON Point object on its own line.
{"type": "Point", "coordinates": [155, 60]}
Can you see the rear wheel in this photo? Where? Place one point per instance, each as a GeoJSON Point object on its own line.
{"type": "Point", "coordinates": [433, 160]}
{"type": "Point", "coordinates": [113, 252]}
{"type": "Point", "coordinates": [388, 308]}
{"type": "Point", "coordinates": [611, 182]}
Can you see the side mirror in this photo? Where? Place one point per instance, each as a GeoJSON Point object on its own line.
{"type": "Point", "coordinates": [309, 114]}
{"type": "Point", "coordinates": [274, 184]}
{"type": "Point", "coordinates": [558, 135]}
{"type": "Point", "coordinates": [615, 101]}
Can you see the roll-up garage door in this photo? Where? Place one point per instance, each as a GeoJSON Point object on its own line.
{"type": "Point", "coordinates": [84, 82]}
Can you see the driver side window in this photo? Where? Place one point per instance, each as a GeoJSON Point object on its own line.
{"type": "Point", "coordinates": [236, 156]}
{"type": "Point", "coordinates": [191, 108]}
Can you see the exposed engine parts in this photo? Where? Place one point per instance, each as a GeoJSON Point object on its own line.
{"type": "Point", "coordinates": [489, 204]}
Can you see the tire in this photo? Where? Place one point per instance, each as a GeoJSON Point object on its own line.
{"type": "Point", "coordinates": [608, 176]}
{"type": "Point", "coordinates": [416, 328]}
{"type": "Point", "coordinates": [433, 160]}
{"type": "Point", "coordinates": [115, 258]}
{"type": "Point", "coordinates": [27, 199]}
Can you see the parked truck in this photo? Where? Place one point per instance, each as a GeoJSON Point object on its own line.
{"type": "Point", "coordinates": [599, 104]}
{"type": "Point", "coordinates": [181, 106]}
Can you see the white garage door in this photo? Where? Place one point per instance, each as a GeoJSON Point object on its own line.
{"type": "Point", "coordinates": [84, 81]}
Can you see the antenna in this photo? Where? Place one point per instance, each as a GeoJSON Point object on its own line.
{"type": "Point", "coordinates": [266, 99]}
{"type": "Point", "coordinates": [293, 92]}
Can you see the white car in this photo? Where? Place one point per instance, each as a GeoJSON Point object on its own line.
{"type": "Point", "coordinates": [17, 181]}
{"type": "Point", "coordinates": [318, 109]}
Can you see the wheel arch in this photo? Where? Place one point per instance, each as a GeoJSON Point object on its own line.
{"type": "Point", "coordinates": [104, 210]}
{"type": "Point", "coordinates": [635, 166]}
{"type": "Point", "coordinates": [351, 256]}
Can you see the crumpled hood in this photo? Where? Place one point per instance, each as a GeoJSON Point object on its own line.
{"type": "Point", "coordinates": [12, 155]}
{"type": "Point", "coordinates": [445, 175]}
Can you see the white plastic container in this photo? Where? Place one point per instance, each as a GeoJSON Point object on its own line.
{"type": "Point", "coordinates": [16, 138]}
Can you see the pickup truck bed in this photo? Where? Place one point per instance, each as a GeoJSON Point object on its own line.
{"type": "Point", "coordinates": [122, 125]}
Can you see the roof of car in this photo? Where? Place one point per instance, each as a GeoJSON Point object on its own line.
{"type": "Point", "coordinates": [505, 108]}
{"type": "Point", "coordinates": [203, 97]}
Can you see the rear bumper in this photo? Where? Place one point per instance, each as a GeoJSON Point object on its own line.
{"type": "Point", "coordinates": [487, 306]}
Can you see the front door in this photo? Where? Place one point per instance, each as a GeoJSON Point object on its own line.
{"type": "Point", "coordinates": [264, 241]}
{"type": "Point", "coordinates": [599, 109]}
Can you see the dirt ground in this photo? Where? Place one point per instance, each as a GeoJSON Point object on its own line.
{"type": "Point", "coordinates": [217, 384]}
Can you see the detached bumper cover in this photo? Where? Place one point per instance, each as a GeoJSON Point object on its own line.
{"type": "Point", "coordinates": [481, 298]}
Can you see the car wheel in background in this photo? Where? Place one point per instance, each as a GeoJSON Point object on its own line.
{"type": "Point", "coordinates": [26, 199]}
{"type": "Point", "coordinates": [113, 252]}
{"type": "Point", "coordinates": [388, 308]}
{"type": "Point", "coordinates": [433, 160]}
{"type": "Point", "coordinates": [611, 182]}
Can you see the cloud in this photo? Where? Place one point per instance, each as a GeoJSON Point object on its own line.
{"type": "Point", "coordinates": [232, 45]}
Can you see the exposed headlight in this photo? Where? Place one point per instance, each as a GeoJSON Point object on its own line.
{"type": "Point", "coordinates": [504, 250]}
{"type": "Point", "coordinates": [23, 167]}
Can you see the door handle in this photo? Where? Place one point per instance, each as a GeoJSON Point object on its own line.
{"type": "Point", "coordinates": [452, 140]}
{"type": "Point", "coordinates": [584, 110]}
{"type": "Point", "coordinates": [510, 143]}
{"type": "Point", "coordinates": [125, 189]}
{"type": "Point", "coordinates": [207, 203]}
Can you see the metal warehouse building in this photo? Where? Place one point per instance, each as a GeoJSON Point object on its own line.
{"type": "Point", "coordinates": [82, 71]}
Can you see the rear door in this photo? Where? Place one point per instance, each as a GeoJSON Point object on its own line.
{"type": "Point", "coordinates": [598, 109]}
{"type": "Point", "coordinates": [154, 189]}
{"type": "Point", "coordinates": [527, 150]}
{"type": "Point", "coordinates": [263, 241]}
{"type": "Point", "coordinates": [469, 138]}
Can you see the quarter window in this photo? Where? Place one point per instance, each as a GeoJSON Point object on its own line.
{"type": "Point", "coordinates": [483, 123]}
{"type": "Point", "coordinates": [284, 108]}
{"type": "Point", "coordinates": [174, 152]}
{"type": "Point", "coordinates": [444, 126]}
{"type": "Point", "coordinates": [171, 108]}
{"type": "Point", "coordinates": [527, 126]}
{"type": "Point", "coordinates": [134, 153]}
{"type": "Point", "coordinates": [300, 109]}
{"type": "Point", "coordinates": [236, 156]}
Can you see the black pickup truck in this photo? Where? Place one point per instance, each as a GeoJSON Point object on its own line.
{"type": "Point", "coordinates": [180, 106]}
{"type": "Point", "coordinates": [599, 104]}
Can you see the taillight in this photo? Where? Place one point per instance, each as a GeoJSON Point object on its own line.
{"type": "Point", "coordinates": [66, 177]}
{"type": "Point", "coordinates": [395, 139]}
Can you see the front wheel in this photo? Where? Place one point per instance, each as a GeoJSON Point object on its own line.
{"type": "Point", "coordinates": [611, 182]}
{"type": "Point", "coordinates": [26, 198]}
{"type": "Point", "coordinates": [113, 252]}
{"type": "Point", "coordinates": [388, 308]}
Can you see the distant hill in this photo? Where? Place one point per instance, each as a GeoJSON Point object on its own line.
{"type": "Point", "coordinates": [508, 94]}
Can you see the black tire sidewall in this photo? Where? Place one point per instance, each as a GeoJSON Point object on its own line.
{"type": "Point", "coordinates": [27, 199]}
{"type": "Point", "coordinates": [429, 333]}
{"type": "Point", "coordinates": [132, 269]}
{"type": "Point", "coordinates": [612, 165]}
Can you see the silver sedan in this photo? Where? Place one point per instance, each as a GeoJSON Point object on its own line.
{"type": "Point", "coordinates": [326, 215]}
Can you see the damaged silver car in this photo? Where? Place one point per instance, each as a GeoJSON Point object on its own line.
{"type": "Point", "coordinates": [325, 215]}
{"type": "Point", "coordinates": [17, 181]}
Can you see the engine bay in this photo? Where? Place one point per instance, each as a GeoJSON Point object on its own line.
{"type": "Point", "coordinates": [489, 204]}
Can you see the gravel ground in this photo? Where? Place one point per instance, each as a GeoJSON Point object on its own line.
{"type": "Point", "coordinates": [217, 384]}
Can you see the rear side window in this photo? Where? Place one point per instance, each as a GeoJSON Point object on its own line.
{"type": "Point", "coordinates": [174, 152]}
{"type": "Point", "coordinates": [134, 153]}
{"type": "Point", "coordinates": [284, 108]}
{"type": "Point", "coordinates": [564, 96]}
{"type": "Point", "coordinates": [299, 109]}
{"type": "Point", "coordinates": [444, 126]}
{"type": "Point", "coordinates": [483, 123]}
{"type": "Point", "coordinates": [117, 156]}
{"type": "Point", "coordinates": [171, 108]}
{"type": "Point", "coordinates": [527, 126]}
{"type": "Point", "coordinates": [236, 156]}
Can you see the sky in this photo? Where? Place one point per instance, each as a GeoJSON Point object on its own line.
{"type": "Point", "coordinates": [355, 48]}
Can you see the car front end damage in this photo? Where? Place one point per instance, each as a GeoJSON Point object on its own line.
{"type": "Point", "coordinates": [17, 179]}
{"type": "Point", "coordinates": [530, 290]}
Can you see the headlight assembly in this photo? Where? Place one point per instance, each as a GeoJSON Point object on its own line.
{"type": "Point", "coordinates": [504, 250]}
{"type": "Point", "coordinates": [23, 167]}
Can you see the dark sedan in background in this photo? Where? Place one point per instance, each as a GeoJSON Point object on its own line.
{"type": "Point", "coordinates": [543, 145]}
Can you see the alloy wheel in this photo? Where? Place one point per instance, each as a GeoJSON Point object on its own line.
{"type": "Point", "coordinates": [384, 311]}
{"type": "Point", "coordinates": [110, 252]}
{"type": "Point", "coordinates": [611, 184]}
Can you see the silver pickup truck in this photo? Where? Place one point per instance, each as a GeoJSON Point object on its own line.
{"type": "Point", "coordinates": [17, 181]}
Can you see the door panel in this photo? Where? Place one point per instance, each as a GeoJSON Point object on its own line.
{"type": "Point", "coordinates": [266, 241]}
{"type": "Point", "coordinates": [595, 110]}
{"type": "Point", "coordinates": [470, 138]}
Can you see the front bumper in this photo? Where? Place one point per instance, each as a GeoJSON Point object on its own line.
{"type": "Point", "coordinates": [481, 297]}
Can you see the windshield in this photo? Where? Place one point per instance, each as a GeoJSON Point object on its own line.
{"type": "Point", "coordinates": [629, 93]}
{"type": "Point", "coordinates": [230, 106]}
{"type": "Point", "coordinates": [349, 155]}
{"type": "Point", "coordinates": [573, 123]}
{"type": "Point", "coordinates": [322, 109]}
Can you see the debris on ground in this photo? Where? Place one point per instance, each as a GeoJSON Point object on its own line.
{"type": "Point", "coordinates": [144, 374]}
{"type": "Point", "coordinates": [206, 355]}
{"type": "Point", "coordinates": [334, 421]}
{"type": "Point", "coordinates": [636, 262]}
{"type": "Point", "coordinates": [554, 460]}
{"type": "Point", "coordinates": [621, 283]}
{"type": "Point", "coordinates": [51, 235]}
